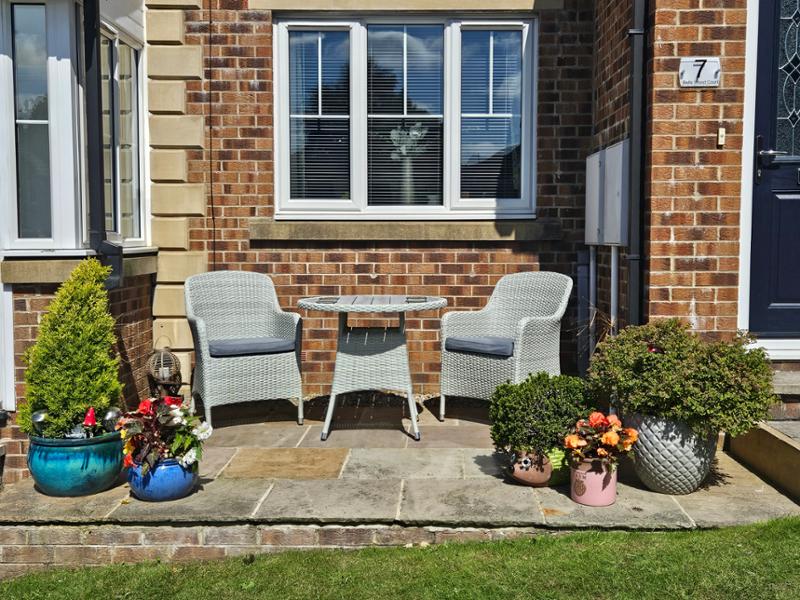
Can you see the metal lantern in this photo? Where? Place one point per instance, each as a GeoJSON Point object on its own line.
{"type": "Point", "coordinates": [164, 369]}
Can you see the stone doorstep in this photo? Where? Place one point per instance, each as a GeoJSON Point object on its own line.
{"type": "Point", "coordinates": [772, 454]}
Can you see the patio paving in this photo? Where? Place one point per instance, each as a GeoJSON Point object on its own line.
{"type": "Point", "coordinates": [372, 472]}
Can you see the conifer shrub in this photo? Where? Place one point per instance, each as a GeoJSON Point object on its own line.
{"type": "Point", "coordinates": [73, 364]}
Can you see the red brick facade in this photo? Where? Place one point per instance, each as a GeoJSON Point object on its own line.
{"type": "Point", "coordinates": [693, 183]}
{"type": "Point", "coordinates": [236, 99]}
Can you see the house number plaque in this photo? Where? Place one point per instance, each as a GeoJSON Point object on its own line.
{"type": "Point", "coordinates": [699, 71]}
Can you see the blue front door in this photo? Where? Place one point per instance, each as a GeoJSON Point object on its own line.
{"type": "Point", "coordinates": [775, 255]}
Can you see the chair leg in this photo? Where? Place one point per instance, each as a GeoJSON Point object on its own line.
{"type": "Point", "coordinates": [412, 410]}
{"type": "Point", "coordinates": [328, 418]}
{"type": "Point", "coordinates": [208, 412]}
{"type": "Point", "coordinates": [300, 410]}
{"type": "Point", "coordinates": [441, 407]}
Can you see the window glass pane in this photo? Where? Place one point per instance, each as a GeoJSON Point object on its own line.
{"type": "Point", "coordinates": [507, 79]}
{"type": "Point", "coordinates": [29, 55]}
{"type": "Point", "coordinates": [491, 124]}
{"type": "Point", "coordinates": [335, 72]}
{"type": "Point", "coordinates": [424, 63]}
{"type": "Point", "coordinates": [405, 161]}
{"type": "Point", "coordinates": [128, 143]}
{"type": "Point", "coordinates": [107, 103]}
{"type": "Point", "coordinates": [320, 159]}
{"type": "Point", "coordinates": [475, 71]}
{"type": "Point", "coordinates": [304, 72]}
{"type": "Point", "coordinates": [33, 181]}
{"type": "Point", "coordinates": [319, 162]}
{"type": "Point", "coordinates": [30, 61]}
{"type": "Point", "coordinates": [385, 69]}
{"type": "Point", "coordinates": [490, 157]}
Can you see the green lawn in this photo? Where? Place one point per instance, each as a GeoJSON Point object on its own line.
{"type": "Point", "coordinates": [760, 561]}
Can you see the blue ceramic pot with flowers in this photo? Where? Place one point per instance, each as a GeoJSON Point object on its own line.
{"type": "Point", "coordinates": [168, 480]}
{"type": "Point", "coordinates": [75, 467]}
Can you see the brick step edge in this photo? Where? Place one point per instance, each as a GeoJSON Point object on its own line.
{"type": "Point", "coordinates": [29, 547]}
{"type": "Point", "coordinates": [14, 475]}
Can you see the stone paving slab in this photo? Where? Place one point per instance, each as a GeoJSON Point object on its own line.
{"type": "Point", "coordinates": [735, 496]}
{"type": "Point", "coordinates": [409, 463]}
{"type": "Point", "coordinates": [485, 463]}
{"type": "Point", "coordinates": [469, 502]}
{"type": "Point", "coordinates": [356, 438]}
{"type": "Point", "coordinates": [332, 501]}
{"type": "Point", "coordinates": [22, 502]}
{"type": "Point", "coordinates": [463, 436]}
{"type": "Point", "coordinates": [790, 428]}
{"type": "Point", "coordinates": [219, 500]}
{"type": "Point", "coordinates": [286, 463]}
{"type": "Point", "coordinates": [214, 459]}
{"type": "Point", "coordinates": [258, 435]}
{"type": "Point", "coordinates": [634, 509]}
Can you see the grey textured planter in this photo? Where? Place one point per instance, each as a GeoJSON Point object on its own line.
{"type": "Point", "coordinates": [669, 457]}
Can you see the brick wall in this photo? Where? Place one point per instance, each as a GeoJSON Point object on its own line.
{"type": "Point", "coordinates": [693, 184]}
{"type": "Point", "coordinates": [130, 306]}
{"type": "Point", "coordinates": [235, 98]}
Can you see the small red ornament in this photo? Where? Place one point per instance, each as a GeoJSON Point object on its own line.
{"type": "Point", "coordinates": [173, 401]}
{"type": "Point", "coordinates": [145, 407]}
{"type": "Point", "coordinates": [89, 420]}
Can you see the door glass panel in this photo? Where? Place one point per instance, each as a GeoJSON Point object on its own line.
{"type": "Point", "coordinates": [787, 126]}
{"type": "Point", "coordinates": [30, 98]}
{"type": "Point", "coordinates": [128, 143]}
{"type": "Point", "coordinates": [109, 158]}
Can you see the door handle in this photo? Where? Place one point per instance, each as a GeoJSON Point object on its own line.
{"type": "Point", "coordinates": [772, 153]}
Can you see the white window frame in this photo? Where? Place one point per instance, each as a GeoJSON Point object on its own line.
{"type": "Point", "coordinates": [453, 206]}
{"type": "Point", "coordinates": [62, 92]}
{"type": "Point", "coordinates": [116, 36]}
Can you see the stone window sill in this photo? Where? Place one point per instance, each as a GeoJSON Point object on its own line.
{"type": "Point", "coordinates": [38, 269]}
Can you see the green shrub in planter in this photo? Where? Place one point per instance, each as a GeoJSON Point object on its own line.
{"type": "Point", "coordinates": [662, 369]}
{"type": "Point", "coordinates": [534, 416]}
{"type": "Point", "coordinates": [73, 365]}
{"type": "Point", "coordinates": [679, 392]}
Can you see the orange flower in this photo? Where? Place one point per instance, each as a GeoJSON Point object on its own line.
{"type": "Point", "coordinates": [127, 461]}
{"type": "Point", "coordinates": [632, 434]}
{"type": "Point", "coordinates": [610, 438]}
{"type": "Point", "coordinates": [597, 419]}
{"type": "Point", "coordinates": [602, 452]}
{"type": "Point", "coordinates": [614, 422]}
{"type": "Point", "coordinates": [574, 442]}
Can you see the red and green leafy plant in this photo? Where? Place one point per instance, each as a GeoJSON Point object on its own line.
{"type": "Point", "coordinates": [162, 428]}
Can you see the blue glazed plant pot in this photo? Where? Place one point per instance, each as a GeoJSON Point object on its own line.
{"type": "Point", "coordinates": [62, 467]}
{"type": "Point", "coordinates": [167, 481]}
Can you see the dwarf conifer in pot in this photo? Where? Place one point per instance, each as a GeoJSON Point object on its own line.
{"type": "Point", "coordinates": [72, 375]}
{"type": "Point", "coordinates": [530, 420]}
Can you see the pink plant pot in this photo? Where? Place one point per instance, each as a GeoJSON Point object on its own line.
{"type": "Point", "coordinates": [593, 483]}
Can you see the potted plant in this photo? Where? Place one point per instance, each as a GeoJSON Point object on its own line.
{"type": "Point", "coordinates": [679, 392]}
{"type": "Point", "coordinates": [595, 444]}
{"type": "Point", "coordinates": [530, 420]}
{"type": "Point", "coordinates": [71, 383]}
{"type": "Point", "coordinates": [163, 445]}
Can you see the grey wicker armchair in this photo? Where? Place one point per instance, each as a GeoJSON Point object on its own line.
{"type": "Point", "coordinates": [515, 334]}
{"type": "Point", "coordinates": [246, 347]}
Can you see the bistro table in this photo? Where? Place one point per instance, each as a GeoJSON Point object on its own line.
{"type": "Point", "coordinates": [371, 357]}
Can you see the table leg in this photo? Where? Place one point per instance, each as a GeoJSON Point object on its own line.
{"type": "Point", "coordinates": [412, 409]}
{"type": "Point", "coordinates": [328, 417]}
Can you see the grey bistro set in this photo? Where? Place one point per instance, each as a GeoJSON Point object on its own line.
{"type": "Point", "coordinates": [247, 348]}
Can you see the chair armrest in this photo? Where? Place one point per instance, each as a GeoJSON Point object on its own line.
{"type": "Point", "coordinates": [466, 323]}
{"type": "Point", "coordinates": [284, 324]}
{"type": "Point", "coordinates": [199, 335]}
{"type": "Point", "coordinates": [537, 345]}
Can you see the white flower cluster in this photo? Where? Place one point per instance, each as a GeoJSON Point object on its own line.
{"type": "Point", "coordinates": [202, 432]}
{"type": "Point", "coordinates": [178, 415]}
{"type": "Point", "coordinates": [189, 458]}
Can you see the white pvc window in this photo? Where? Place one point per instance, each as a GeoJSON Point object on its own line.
{"type": "Point", "coordinates": [405, 117]}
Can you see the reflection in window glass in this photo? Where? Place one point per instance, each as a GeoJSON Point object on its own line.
{"type": "Point", "coordinates": [405, 162]}
{"type": "Point", "coordinates": [491, 124]}
{"type": "Point", "coordinates": [128, 167]}
{"type": "Point", "coordinates": [107, 104]}
{"type": "Point", "coordinates": [319, 101]}
{"type": "Point", "coordinates": [29, 54]}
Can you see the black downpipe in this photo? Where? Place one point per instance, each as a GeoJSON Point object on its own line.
{"type": "Point", "coordinates": [636, 291]}
{"type": "Point", "coordinates": [108, 252]}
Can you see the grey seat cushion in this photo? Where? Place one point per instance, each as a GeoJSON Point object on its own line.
{"type": "Point", "coordinates": [484, 344]}
{"type": "Point", "coordinates": [249, 346]}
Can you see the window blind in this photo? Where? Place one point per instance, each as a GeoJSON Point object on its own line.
{"type": "Point", "coordinates": [405, 125]}
{"type": "Point", "coordinates": [319, 104]}
{"type": "Point", "coordinates": [491, 124]}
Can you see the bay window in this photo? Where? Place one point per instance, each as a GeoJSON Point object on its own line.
{"type": "Point", "coordinates": [404, 117]}
{"type": "Point", "coordinates": [42, 204]}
